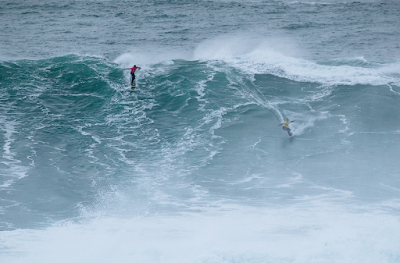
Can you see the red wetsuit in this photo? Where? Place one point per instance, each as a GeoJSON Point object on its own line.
{"type": "Point", "coordinates": [134, 69]}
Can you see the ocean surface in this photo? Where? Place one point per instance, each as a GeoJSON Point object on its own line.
{"type": "Point", "coordinates": [191, 166]}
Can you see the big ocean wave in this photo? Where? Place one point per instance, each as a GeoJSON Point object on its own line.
{"type": "Point", "coordinates": [195, 152]}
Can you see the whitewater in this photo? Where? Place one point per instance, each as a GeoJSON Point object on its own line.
{"type": "Point", "coordinates": [191, 166]}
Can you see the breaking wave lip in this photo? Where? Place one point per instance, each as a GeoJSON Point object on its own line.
{"type": "Point", "coordinates": [307, 71]}
{"type": "Point", "coordinates": [278, 58]}
{"type": "Point", "coordinates": [262, 58]}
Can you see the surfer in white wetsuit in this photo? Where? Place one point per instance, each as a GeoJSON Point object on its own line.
{"type": "Point", "coordinates": [286, 126]}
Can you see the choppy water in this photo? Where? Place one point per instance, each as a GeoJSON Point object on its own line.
{"type": "Point", "coordinates": [192, 166]}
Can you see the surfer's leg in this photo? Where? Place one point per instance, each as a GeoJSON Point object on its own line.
{"type": "Point", "coordinates": [133, 79]}
{"type": "Point", "coordinates": [288, 130]}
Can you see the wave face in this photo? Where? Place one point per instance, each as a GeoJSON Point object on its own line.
{"type": "Point", "coordinates": [191, 166]}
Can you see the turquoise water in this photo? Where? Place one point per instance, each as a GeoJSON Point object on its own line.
{"type": "Point", "coordinates": [191, 166]}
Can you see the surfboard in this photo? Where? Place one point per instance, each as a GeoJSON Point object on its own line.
{"type": "Point", "coordinates": [291, 135]}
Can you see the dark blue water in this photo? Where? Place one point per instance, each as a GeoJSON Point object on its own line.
{"type": "Point", "coordinates": [191, 166]}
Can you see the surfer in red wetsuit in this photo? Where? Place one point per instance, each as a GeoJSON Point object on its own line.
{"type": "Point", "coordinates": [133, 69]}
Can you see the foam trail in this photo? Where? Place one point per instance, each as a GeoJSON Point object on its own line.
{"type": "Point", "coordinates": [253, 94]}
{"type": "Point", "coordinates": [18, 171]}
